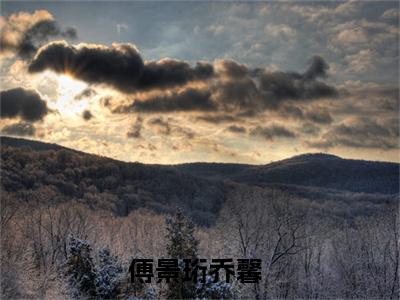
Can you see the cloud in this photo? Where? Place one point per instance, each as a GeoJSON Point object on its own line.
{"type": "Point", "coordinates": [240, 88]}
{"type": "Point", "coordinates": [22, 103]}
{"type": "Point", "coordinates": [87, 115]}
{"type": "Point", "coordinates": [310, 129]}
{"type": "Point", "coordinates": [135, 131]}
{"type": "Point", "coordinates": [86, 93]}
{"type": "Point", "coordinates": [217, 119]}
{"type": "Point", "coordinates": [391, 14]}
{"type": "Point", "coordinates": [319, 116]}
{"type": "Point", "coordinates": [360, 133]}
{"type": "Point", "coordinates": [186, 100]}
{"type": "Point", "coordinates": [351, 36]}
{"type": "Point", "coordinates": [363, 61]}
{"type": "Point", "coordinates": [216, 29]}
{"type": "Point", "coordinates": [163, 126]}
{"type": "Point", "coordinates": [280, 31]}
{"type": "Point", "coordinates": [314, 114]}
{"type": "Point", "coordinates": [231, 69]}
{"type": "Point", "coordinates": [313, 13]}
{"type": "Point", "coordinates": [317, 68]}
{"type": "Point", "coordinates": [167, 73]}
{"type": "Point", "coordinates": [367, 99]}
{"type": "Point", "coordinates": [120, 66]}
{"type": "Point", "coordinates": [291, 111]}
{"type": "Point", "coordinates": [170, 85]}
{"type": "Point", "coordinates": [23, 33]}
{"type": "Point", "coordinates": [19, 129]}
{"type": "Point", "coordinates": [271, 132]}
{"type": "Point", "coordinates": [236, 129]}
{"type": "Point", "coordinates": [274, 87]}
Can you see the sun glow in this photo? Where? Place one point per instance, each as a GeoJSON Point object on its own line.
{"type": "Point", "coordinates": [68, 88]}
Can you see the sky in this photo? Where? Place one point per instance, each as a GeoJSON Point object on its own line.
{"type": "Point", "coordinates": [176, 82]}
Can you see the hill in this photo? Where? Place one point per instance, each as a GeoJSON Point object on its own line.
{"type": "Point", "coordinates": [330, 185]}
{"type": "Point", "coordinates": [312, 170]}
{"type": "Point", "coordinates": [34, 145]}
{"type": "Point", "coordinates": [45, 173]}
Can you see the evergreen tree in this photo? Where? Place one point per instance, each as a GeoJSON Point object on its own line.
{"type": "Point", "coordinates": [109, 275]}
{"type": "Point", "coordinates": [181, 244]}
{"type": "Point", "coordinates": [214, 290]}
{"type": "Point", "coordinates": [80, 269]}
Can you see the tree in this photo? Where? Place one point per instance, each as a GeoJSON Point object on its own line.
{"type": "Point", "coordinates": [80, 269]}
{"type": "Point", "coordinates": [181, 244]}
{"type": "Point", "coordinates": [109, 274]}
{"type": "Point", "coordinates": [214, 290]}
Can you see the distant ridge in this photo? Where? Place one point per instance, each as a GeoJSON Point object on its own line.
{"type": "Point", "coordinates": [34, 145]}
{"type": "Point", "coordinates": [312, 170]}
{"type": "Point", "coordinates": [316, 155]}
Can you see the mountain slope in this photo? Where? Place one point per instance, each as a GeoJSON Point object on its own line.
{"type": "Point", "coordinates": [34, 145]}
{"type": "Point", "coordinates": [55, 174]}
{"type": "Point", "coordinates": [313, 170]}
{"type": "Point", "coordinates": [49, 174]}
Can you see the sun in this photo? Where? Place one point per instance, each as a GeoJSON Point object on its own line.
{"type": "Point", "coordinates": [68, 88]}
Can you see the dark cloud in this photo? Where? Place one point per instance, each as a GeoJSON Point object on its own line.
{"type": "Point", "coordinates": [271, 132]}
{"type": "Point", "coordinates": [361, 133]}
{"type": "Point", "coordinates": [237, 94]}
{"type": "Point", "coordinates": [186, 100]}
{"type": "Point", "coordinates": [87, 115]}
{"type": "Point", "coordinates": [136, 129]}
{"type": "Point", "coordinates": [26, 104]}
{"type": "Point", "coordinates": [23, 33]}
{"type": "Point", "coordinates": [276, 87]}
{"type": "Point", "coordinates": [120, 66]}
{"type": "Point", "coordinates": [232, 69]}
{"type": "Point", "coordinates": [19, 129]}
{"type": "Point", "coordinates": [226, 85]}
{"type": "Point", "coordinates": [239, 88]}
{"type": "Point", "coordinates": [168, 73]}
{"type": "Point", "coordinates": [237, 129]}
{"type": "Point", "coordinates": [317, 68]}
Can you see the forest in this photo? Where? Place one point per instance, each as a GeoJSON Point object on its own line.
{"type": "Point", "coordinates": [71, 224]}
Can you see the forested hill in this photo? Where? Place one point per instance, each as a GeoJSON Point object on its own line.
{"type": "Point", "coordinates": [35, 171]}
{"type": "Point", "coordinates": [313, 170]}
{"type": "Point", "coordinates": [34, 145]}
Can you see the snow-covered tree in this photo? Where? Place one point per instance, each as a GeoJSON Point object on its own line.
{"type": "Point", "coordinates": [181, 244]}
{"type": "Point", "coordinates": [214, 290]}
{"type": "Point", "coordinates": [80, 269]}
{"type": "Point", "coordinates": [108, 275]}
